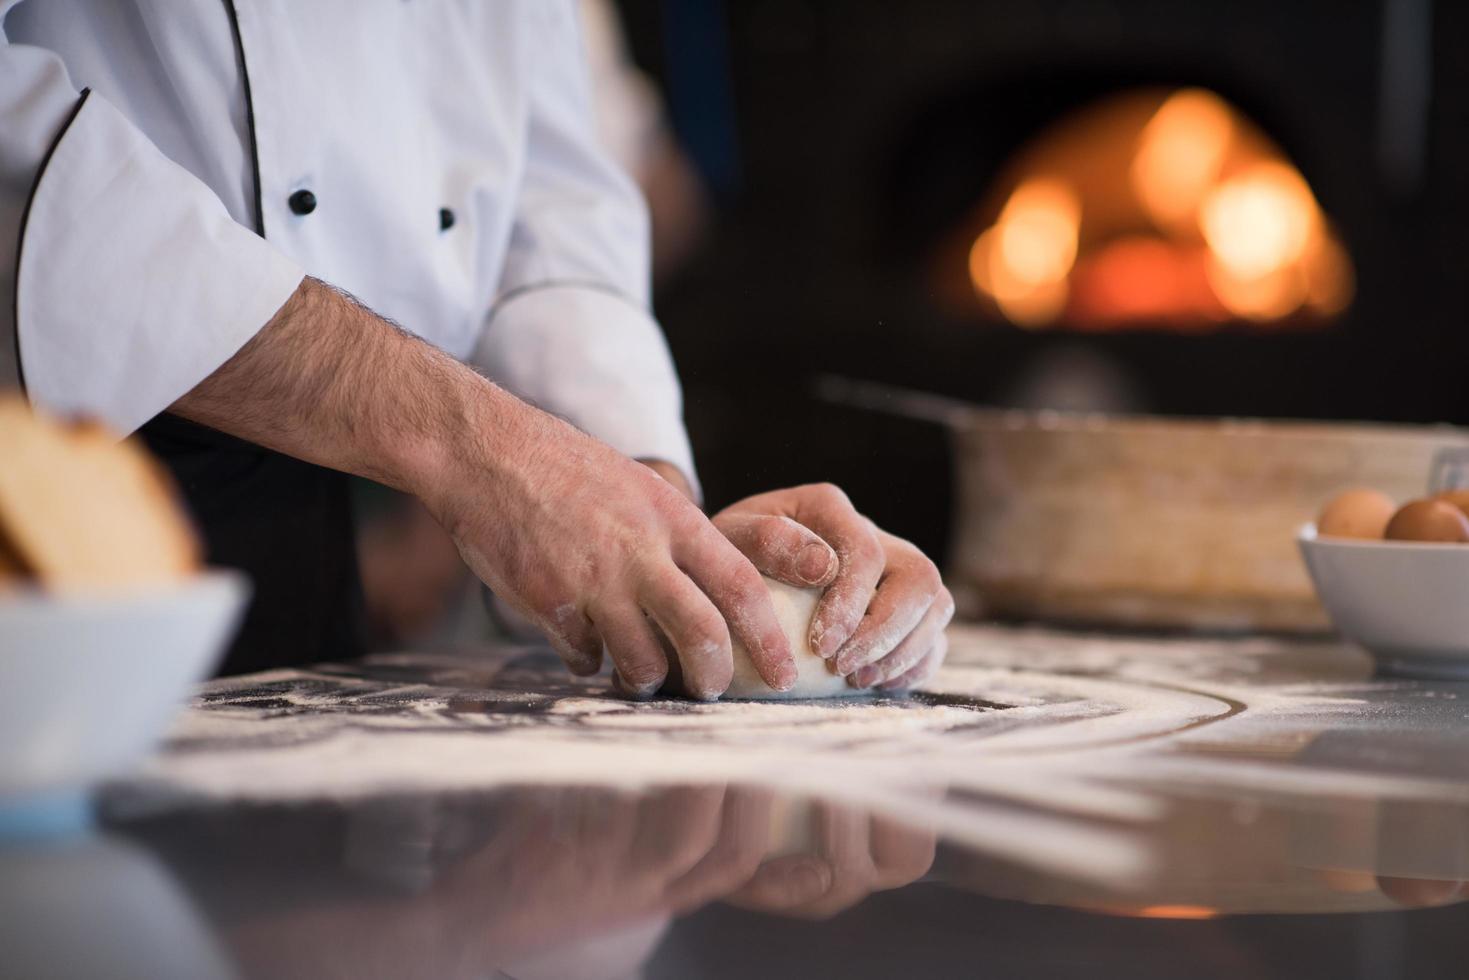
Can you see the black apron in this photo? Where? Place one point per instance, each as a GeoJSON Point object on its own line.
{"type": "Point", "coordinates": [286, 524]}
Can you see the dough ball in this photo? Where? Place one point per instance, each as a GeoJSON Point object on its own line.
{"type": "Point", "coordinates": [814, 679]}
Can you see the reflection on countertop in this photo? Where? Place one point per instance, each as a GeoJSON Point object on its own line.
{"type": "Point", "coordinates": [1054, 804]}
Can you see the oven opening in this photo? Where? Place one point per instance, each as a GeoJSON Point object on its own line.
{"type": "Point", "coordinates": [1150, 208]}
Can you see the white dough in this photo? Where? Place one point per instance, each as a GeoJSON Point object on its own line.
{"type": "Point", "coordinates": [793, 608]}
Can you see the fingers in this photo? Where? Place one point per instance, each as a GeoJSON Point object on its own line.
{"type": "Point", "coordinates": [575, 640]}
{"type": "Point", "coordinates": [827, 511]}
{"type": "Point", "coordinates": [781, 548]}
{"type": "Point", "coordinates": [695, 629]}
{"type": "Point", "coordinates": [637, 655]}
{"type": "Point", "coordinates": [739, 593]}
{"type": "Point", "coordinates": [883, 613]}
{"type": "Point", "coordinates": [913, 648]}
{"type": "Point", "coordinates": [926, 668]}
{"type": "Point", "coordinates": [909, 586]}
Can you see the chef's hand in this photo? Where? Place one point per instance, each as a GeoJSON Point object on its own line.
{"type": "Point", "coordinates": [589, 545]}
{"type": "Point", "coordinates": [885, 608]}
{"type": "Point", "coordinates": [581, 539]}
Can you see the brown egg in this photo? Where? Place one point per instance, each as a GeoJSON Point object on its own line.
{"type": "Point", "coordinates": [1428, 520]}
{"type": "Point", "coordinates": [1459, 498]}
{"type": "Point", "coordinates": [1356, 514]}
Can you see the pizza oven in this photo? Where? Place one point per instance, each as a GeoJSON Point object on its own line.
{"type": "Point", "coordinates": [1244, 208]}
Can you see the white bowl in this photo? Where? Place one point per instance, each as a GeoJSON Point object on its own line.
{"type": "Point", "coordinates": [1406, 602]}
{"type": "Point", "coordinates": [88, 684]}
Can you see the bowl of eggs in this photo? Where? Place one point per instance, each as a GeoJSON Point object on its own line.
{"type": "Point", "coordinates": [1395, 578]}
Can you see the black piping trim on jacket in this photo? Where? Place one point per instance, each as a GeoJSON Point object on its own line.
{"type": "Point", "coordinates": [229, 6]}
{"type": "Point", "coordinates": [25, 219]}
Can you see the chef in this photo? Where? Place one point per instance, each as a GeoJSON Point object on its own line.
{"type": "Point", "coordinates": [292, 241]}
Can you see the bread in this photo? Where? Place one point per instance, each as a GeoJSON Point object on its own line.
{"type": "Point", "coordinates": [81, 511]}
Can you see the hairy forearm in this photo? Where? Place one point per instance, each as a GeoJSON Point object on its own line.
{"type": "Point", "coordinates": [329, 381]}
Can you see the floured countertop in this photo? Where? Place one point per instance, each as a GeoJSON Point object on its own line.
{"type": "Point", "coordinates": [1078, 736]}
{"type": "Point", "coordinates": [1053, 804]}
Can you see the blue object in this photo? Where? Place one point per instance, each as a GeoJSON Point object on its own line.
{"type": "Point", "coordinates": [46, 817]}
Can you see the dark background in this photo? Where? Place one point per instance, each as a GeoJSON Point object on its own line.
{"type": "Point", "coordinates": [842, 139]}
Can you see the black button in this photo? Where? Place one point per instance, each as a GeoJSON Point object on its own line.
{"type": "Point", "coordinates": [446, 219]}
{"type": "Point", "coordinates": [303, 202]}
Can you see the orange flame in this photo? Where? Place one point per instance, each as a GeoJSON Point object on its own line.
{"type": "Point", "coordinates": [1219, 225]}
{"type": "Point", "coordinates": [1180, 154]}
{"type": "Point", "coordinates": [1024, 260]}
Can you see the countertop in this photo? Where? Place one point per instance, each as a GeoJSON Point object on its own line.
{"type": "Point", "coordinates": [1054, 803]}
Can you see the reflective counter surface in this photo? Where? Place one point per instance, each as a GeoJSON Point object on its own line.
{"type": "Point", "coordinates": [1054, 804]}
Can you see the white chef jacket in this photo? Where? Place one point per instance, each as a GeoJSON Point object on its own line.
{"type": "Point", "coordinates": [153, 155]}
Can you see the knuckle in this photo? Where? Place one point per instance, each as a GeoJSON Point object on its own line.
{"type": "Point", "coordinates": [900, 549]}
{"type": "Point", "coordinates": [681, 515]}
{"type": "Point", "coordinates": [868, 547]}
{"type": "Point", "coordinates": [767, 537]}
{"type": "Point", "coordinates": [664, 495]}
{"type": "Point", "coordinates": [789, 530]}
{"type": "Point", "coordinates": [708, 543]}
{"type": "Point", "coordinates": [929, 578]}
{"type": "Point", "coordinates": [828, 495]}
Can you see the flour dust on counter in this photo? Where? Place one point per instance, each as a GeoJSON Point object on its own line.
{"type": "Point", "coordinates": [1049, 748]}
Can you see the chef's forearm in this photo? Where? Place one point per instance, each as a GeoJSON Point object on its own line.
{"type": "Point", "coordinates": [330, 382]}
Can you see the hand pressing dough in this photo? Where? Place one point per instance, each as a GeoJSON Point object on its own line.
{"type": "Point", "coordinates": [793, 609]}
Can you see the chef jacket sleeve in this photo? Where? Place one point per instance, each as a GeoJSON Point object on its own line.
{"type": "Point", "coordinates": [571, 330]}
{"type": "Point", "coordinates": [123, 280]}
